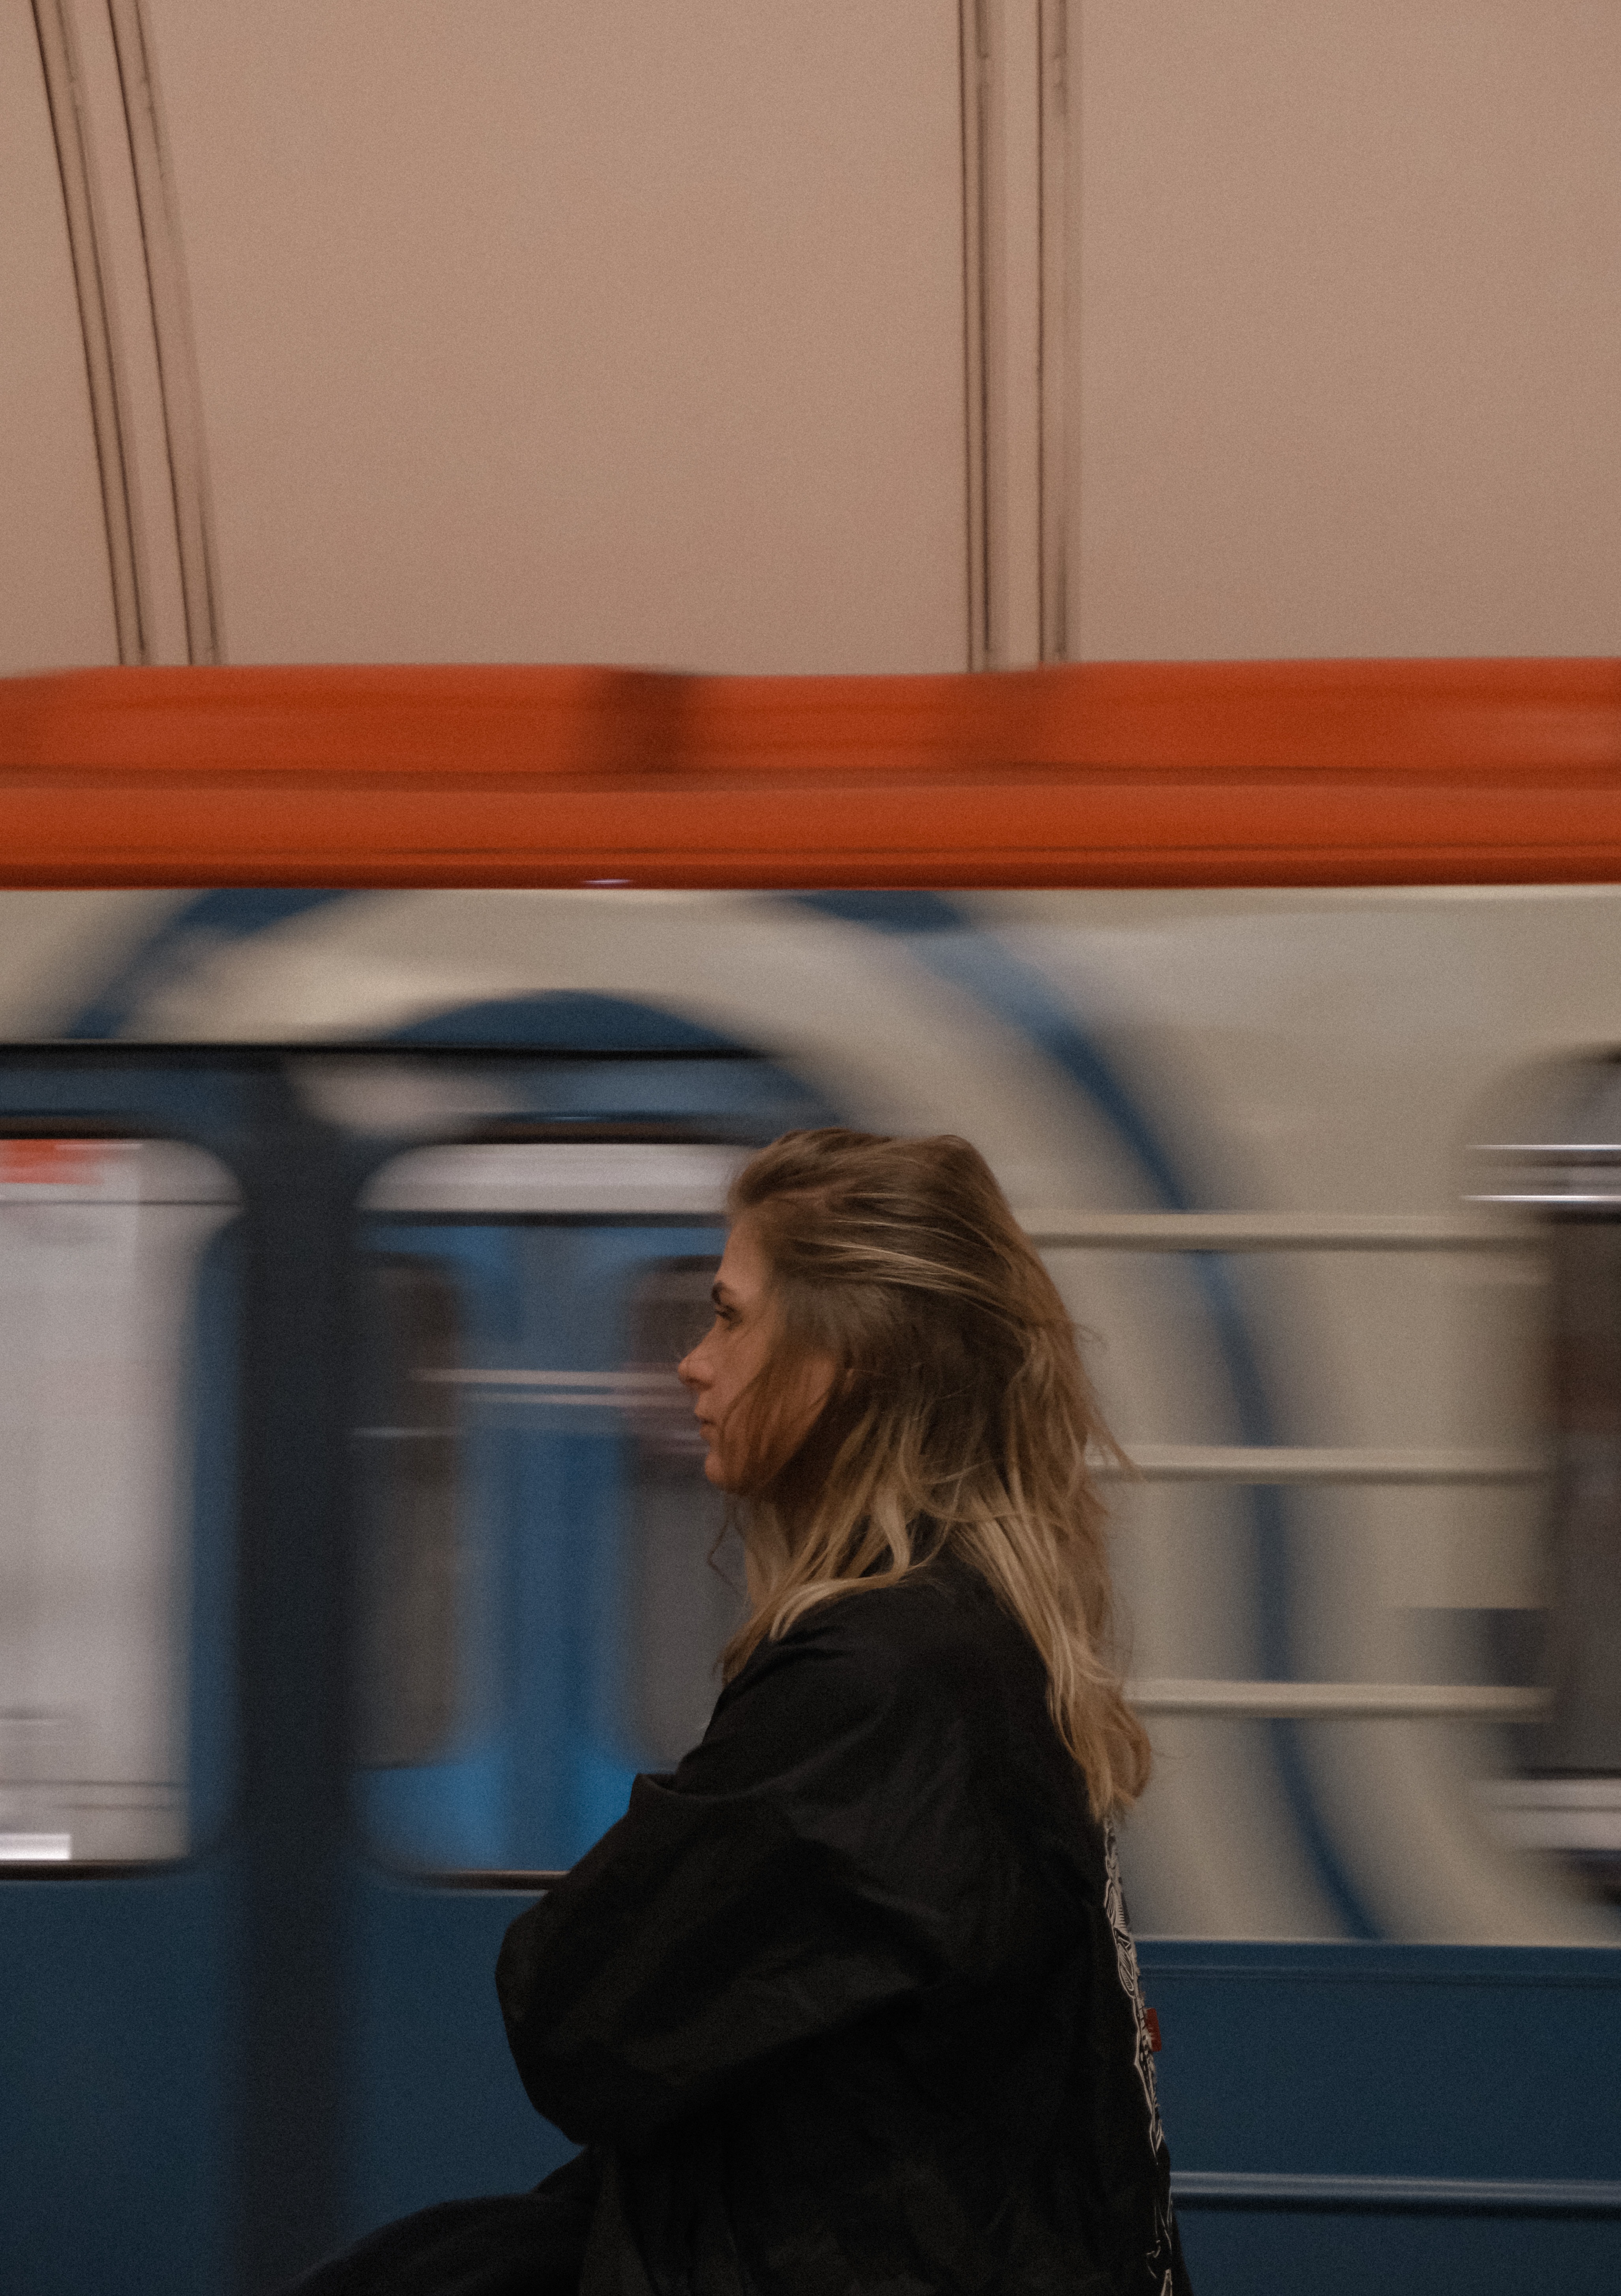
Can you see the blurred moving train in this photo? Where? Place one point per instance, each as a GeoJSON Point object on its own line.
{"type": "Point", "coordinates": [355, 1552]}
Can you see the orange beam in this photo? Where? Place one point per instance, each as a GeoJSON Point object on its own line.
{"type": "Point", "coordinates": [1107, 773]}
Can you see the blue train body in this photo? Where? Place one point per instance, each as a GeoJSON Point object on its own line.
{"type": "Point", "coordinates": [442, 1573]}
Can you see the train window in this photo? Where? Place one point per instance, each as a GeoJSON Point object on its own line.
{"type": "Point", "coordinates": [1559, 1160]}
{"type": "Point", "coordinates": [544, 1581]}
{"type": "Point", "coordinates": [116, 1330]}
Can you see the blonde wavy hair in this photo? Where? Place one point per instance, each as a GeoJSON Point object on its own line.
{"type": "Point", "coordinates": [960, 1416]}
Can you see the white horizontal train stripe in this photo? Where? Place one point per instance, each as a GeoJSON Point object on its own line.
{"type": "Point", "coordinates": [1322, 1701]}
{"type": "Point", "coordinates": [1072, 1231]}
{"type": "Point", "coordinates": [661, 1177]}
{"type": "Point", "coordinates": [1279, 1462]}
{"type": "Point", "coordinates": [1497, 2196]}
{"type": "Point", "coordinates": [1154, 1463]}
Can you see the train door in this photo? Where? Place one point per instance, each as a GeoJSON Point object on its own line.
{"type": "Point", "coordinates": [542, 1578]}
{"type": "Point", "coordinates": [165, 1822]}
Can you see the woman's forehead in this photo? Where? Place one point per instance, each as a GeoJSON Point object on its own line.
{"type": "Point", "coordinates": [743, 1267]}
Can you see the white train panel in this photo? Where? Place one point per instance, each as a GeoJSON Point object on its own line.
{"type": "Point", "coordinates": [1313, 1058]}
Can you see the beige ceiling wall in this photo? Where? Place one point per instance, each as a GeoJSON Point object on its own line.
{"type": "Point", "coordinates": [535, 331]}
{"type": "Point", "coordinates": [1344, 370]}
{"type": "Point", "coordinates": [637, 332]}
{"type": "Point", "coordinates": [56, 587]}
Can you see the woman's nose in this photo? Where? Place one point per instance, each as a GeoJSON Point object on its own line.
{"type": "Point", "coordinates": [689, 1371]}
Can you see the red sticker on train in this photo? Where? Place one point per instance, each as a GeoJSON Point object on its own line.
{"type": "Point", "coordinates": [55, 1163]}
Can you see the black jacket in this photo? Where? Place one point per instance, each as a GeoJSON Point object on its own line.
{"type": "Point", "coordinates": [848, 2002]}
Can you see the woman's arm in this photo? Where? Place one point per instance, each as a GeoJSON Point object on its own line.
{"type": "Point", "coordinates": [822, 1855]}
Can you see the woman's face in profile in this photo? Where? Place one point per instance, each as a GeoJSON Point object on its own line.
{"type": "Point", "coordinates": [733, 1353]}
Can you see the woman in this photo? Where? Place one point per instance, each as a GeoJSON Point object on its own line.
{"type": "Point", "coordinates": [848, 2002]}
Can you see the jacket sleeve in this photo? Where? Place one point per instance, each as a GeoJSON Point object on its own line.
{"type": "Point", "coordinates": [821, 1856]}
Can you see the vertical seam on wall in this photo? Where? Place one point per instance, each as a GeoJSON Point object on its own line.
{"type": "Point", "coordinates": [179, 383]}
{"type": "Point", "coordinates": [971, 25]}
{"type": "Point", "coordinates": [60, 64]}
{"type": "Point", "coordinates": [1043, 249]}
{"type": "Point", "coordinates": [1052, 142]}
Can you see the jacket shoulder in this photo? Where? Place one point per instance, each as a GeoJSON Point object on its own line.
{"type": "Point", "coordinates": [941, 1613]}
{"type": "Point", "coordinates": [938, 1647]}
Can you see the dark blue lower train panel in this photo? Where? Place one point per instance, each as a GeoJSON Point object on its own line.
{"type": "Point", "coordinates": [440, 2112]}
{"type": "Point", "coordinates": [1389, 2060]}
{"type": "Point", "coordinates": [120, 2010]}
{"type": "Point", "coordinates": [1386, 2117]}
{"type": "Point", "coordinates": [1290, 2251]}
